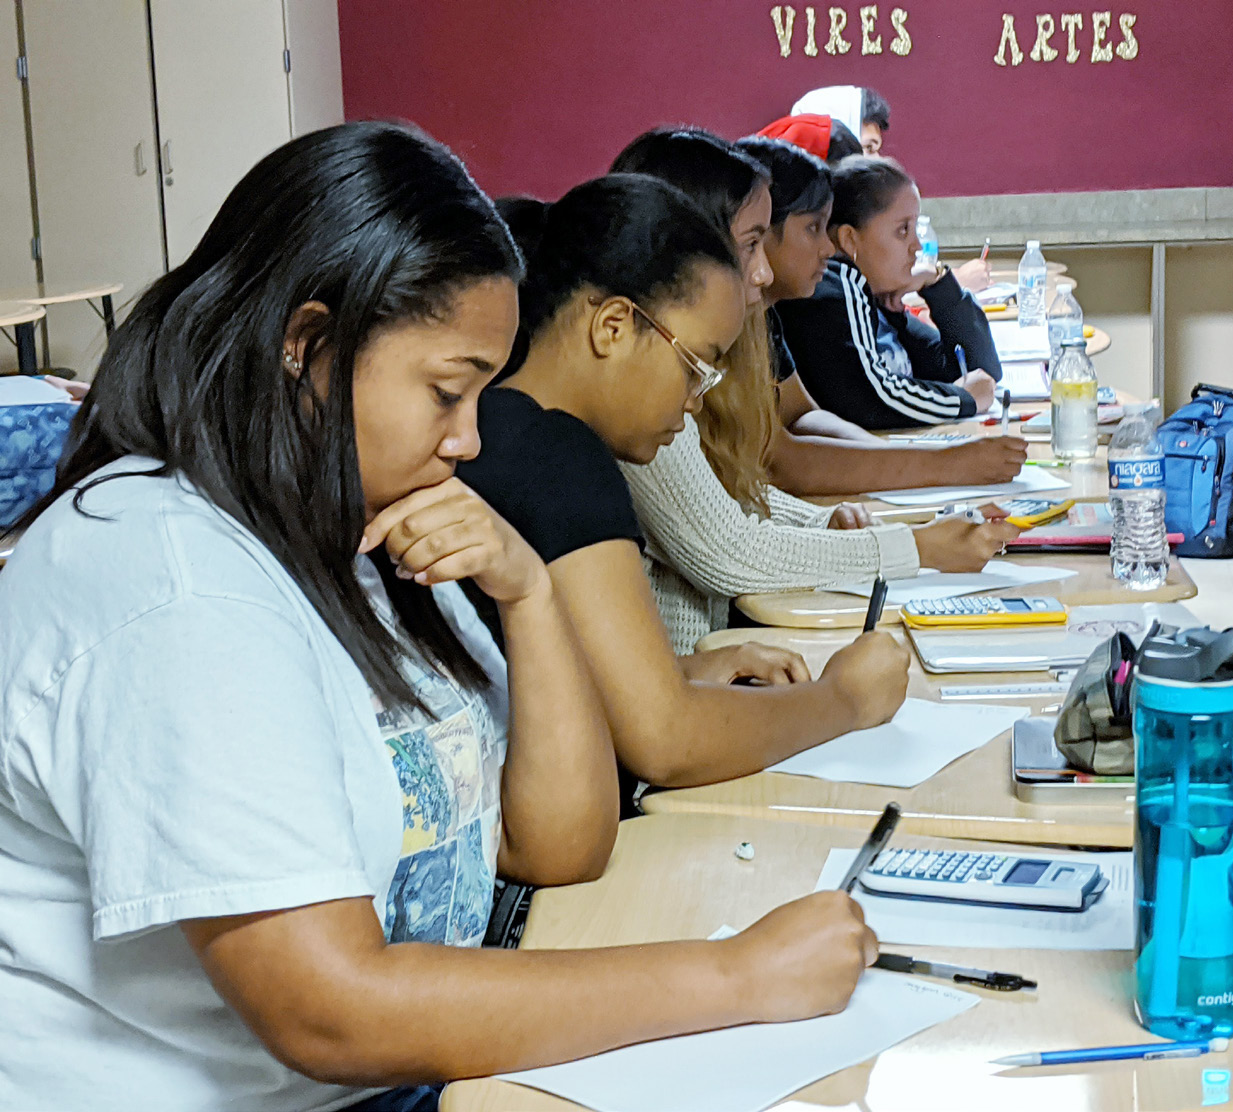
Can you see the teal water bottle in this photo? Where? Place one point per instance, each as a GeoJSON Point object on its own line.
{"type": "Point", "coordinates": [1183, 726]}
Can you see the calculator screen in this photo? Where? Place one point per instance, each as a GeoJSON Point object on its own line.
{"type": "Point", "coordinates": [1026, 872]}
{"type": "Point", "coordinates": [1016, 605]}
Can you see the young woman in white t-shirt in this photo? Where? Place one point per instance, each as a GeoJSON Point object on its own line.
{"type": "Point", "coordinates": [249, 781]}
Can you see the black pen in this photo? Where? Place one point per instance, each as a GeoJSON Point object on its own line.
{"type": "Point", "coordinates": [874, 844]}
{"type": "Point", "coordinates": [877, 599]}
{"type": "Point", "coordinates": [960, 974]}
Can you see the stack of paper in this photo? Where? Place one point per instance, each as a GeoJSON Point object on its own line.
{"type": "Point", "coordinates": [1107, 925]}
{"type": "Point", "coordinates": [933, 585]}
{"type": "Point", "coordinates": [1018, 344]}
{"type": "Point", "coordinates": [1028, 481]}
{"type": "Point", "coordinates": [25, 390]}
{"type": "Point", "coordinates": [922, 739]}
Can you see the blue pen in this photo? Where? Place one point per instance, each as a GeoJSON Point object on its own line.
{"type": "Point", "coordinates": [963, 362]}
{"type": "Point", "coordinates": [1190, 1048]}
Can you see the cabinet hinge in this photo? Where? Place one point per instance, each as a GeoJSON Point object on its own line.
{"type": "Point", "coordinates": [287, 61]}
{"type": "Point", "coordinates": [23, 70]}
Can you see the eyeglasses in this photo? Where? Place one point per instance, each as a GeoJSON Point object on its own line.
{"type": "Point", "coordinates": [706, 374]}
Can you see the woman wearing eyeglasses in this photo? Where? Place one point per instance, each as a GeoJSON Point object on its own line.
{"type": "Point", "coordinates": [619, 346]}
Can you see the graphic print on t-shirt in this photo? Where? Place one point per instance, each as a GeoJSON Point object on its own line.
{"type": "Point", "coordinates": [449, 773]}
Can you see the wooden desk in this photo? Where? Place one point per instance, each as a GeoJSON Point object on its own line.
{"type": "Point", "coordinates": [675, 877]}
{"type": "Point", "coordinates": [53, 294]}
{"type": "Point", "coordinates": [20, 316]}
{"type": "Point", "coordinates": [1092, 585]}
{"type": "Point", "coordinates": [973, 797]}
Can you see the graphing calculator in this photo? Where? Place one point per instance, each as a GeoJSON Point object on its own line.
{"type": "Point", "coordinates": [1027, 513]}
{"type": "Point", "coordinates": [982, 610]}
{"type": "Point", "coordinates": [1008, 880]}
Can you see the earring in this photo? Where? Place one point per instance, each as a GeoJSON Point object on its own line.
{"type": "Point", "coordinates": [291, 362]}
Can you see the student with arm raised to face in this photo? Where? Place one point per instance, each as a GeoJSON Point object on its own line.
{"type": "Point", "coordinates": [254, 787]}
{"type": "Point", "coordinates": [621, 342]}
{"type": "Point", "coordinates": [715, 526]}
{"type": "Point", "coordinates": [810, 455]}
{"type": "Point", "coordinates": [857, 352]}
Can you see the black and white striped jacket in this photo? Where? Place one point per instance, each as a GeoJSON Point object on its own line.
{"type": "Point", "coordinates": [852, 355]}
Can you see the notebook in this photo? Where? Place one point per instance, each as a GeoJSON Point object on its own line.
{"type": "Point", "coordinates": [1088, 528]}
{"type": "Point", "coordinates": [1022, 649]}
{"type": "Point", "coordinates": [1017, 345]}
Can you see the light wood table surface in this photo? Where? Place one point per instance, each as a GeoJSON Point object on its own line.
{"type": "Point", "coordinates": [674, 877]}
{"type": "Point", "coordinates": [20, 312]}
{"type": "Point", "coordinates": [973, 797]}
{"type": "Point", "coordinates": [58, 294]}
{"type": "Point", "coordinates": [1093, 584]}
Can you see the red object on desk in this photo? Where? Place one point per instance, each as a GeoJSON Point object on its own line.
{"type": "Point", "coordinates": [1013, 417]}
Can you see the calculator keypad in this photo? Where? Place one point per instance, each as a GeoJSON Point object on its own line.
{"type": "Point", "coordinates": [938, 865]}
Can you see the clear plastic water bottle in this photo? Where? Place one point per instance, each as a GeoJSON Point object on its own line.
{"type": "Point", "coordinates": [1032, 275]}
{"type": "Point", "coordinates": [1140, 550]}
{"type": "Point", "coordinates": [927, 256]}
{"type": "Point", "coordinates": [1073, 396]}
{"type": "Point", "coordinates": [1183, 729]}
{"type": "Point", "coordinates": [1065, 321]}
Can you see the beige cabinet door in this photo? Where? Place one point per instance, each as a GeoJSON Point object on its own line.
{"type": "Point", "coordinates": [16, 226]}
{"type": "Point", "coordinates": [316, 64]}
{"type": "Point", "coordinates": [92, 120]}
{"type": "Point", "coordinates": [222, 103]}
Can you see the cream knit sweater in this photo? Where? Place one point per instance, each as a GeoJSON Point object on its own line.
{"type": "Point", "coordinates": [703, 549]}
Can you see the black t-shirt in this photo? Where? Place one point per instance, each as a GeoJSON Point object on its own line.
{"type": "Point", "coordinates": [549, 476]}
{"type": "Point", "coordinates": [784, 364]}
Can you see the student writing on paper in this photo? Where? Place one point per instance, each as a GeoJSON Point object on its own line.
{"type": "Point", "coordinates": [814, 452]}
{"type": "Point", "coordinates": [716, 527]}
{"type": "Point", "coordinates": [254, 787]}
{"type": "Point", "coordinates": [858, 353]}
{"type": "Point", "coordinates": [620, 345]}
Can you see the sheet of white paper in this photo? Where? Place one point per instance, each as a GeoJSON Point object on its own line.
{"type": "Point", "coordinates": [24, 390]}
{"type": "Point", "coordinates": [1017, 344]}
{"type": "Point", "coordinates": [747, 1069]}
{"type": "Point", "coordinates": [997, 294]}
{"type": "Point", "coordinates": [931, 439]}
{"type": "Point", "coordinates": [931, 584]}
{"type": "Point", "coordinates": [1029, 480]}
{"type": "Point", "coordinates": [922, 739]}
{"type": "Point", "coordinates": [1027, 381]}
{"type": "Point", "coordinates": [1107, 925]}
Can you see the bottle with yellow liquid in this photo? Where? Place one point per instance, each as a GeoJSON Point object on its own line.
{"type": "Point", "coordinates": [1073, 396]}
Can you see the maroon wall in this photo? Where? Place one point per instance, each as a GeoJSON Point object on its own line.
{"type": "Point", "coordinates": [540, 94]}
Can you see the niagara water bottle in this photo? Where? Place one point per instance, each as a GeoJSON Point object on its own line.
{"type": "Point", "coordinates": [1182, 700]}
{"type": "Point", "coordinates": [1140, 548]}
{"type": "Point", "coordinates": [1072, 392]}
{"type": "Point", "coordinates": [1065, 321]}
{"type": "Point", "coordinates": [1031, 295]}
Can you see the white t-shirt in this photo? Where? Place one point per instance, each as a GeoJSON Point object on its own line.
{"type": "Point", "coordinates": [181, 736]}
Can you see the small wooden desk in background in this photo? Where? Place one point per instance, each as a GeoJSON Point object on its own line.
{"type": "Point", "coordinates": [973, 797]}
{"type": "Point", "coordinates": [44, 294]}
{"type": "Point", "coordinates": [673, 877]}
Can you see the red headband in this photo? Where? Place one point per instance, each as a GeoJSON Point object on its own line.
{"type": "Point", "coordinates": [807, 131]}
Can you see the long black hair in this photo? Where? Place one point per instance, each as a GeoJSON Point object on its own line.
{"type": "Point", "coordinates": [712, 172]}
{"type": "Point", "coordinates": [800, 181]}
{"type": "Point", "coordinates": [627, 235]}
{"type": "Point", "coordinates": [382, 225]}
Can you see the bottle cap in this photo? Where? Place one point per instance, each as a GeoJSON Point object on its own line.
{"type": "Point", "coordinates": [1032, 243]}
{"type": "Point", "coordinates": [1189, 655]}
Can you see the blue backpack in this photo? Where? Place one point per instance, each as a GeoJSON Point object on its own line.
{"type": "Point", "coordinates": [1198, 449]}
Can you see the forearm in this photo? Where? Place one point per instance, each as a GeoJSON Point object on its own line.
{"type": "Point", "coordinates": [721, 733]}
{"type": "Point", "coordinates": [809, 466]}
{"type": "Point", "coordinates": [821, 422]}
{"type": "Point", "coordinates": [350, 1009]}
{"type": "Point", "coordinates": [559, 795]}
